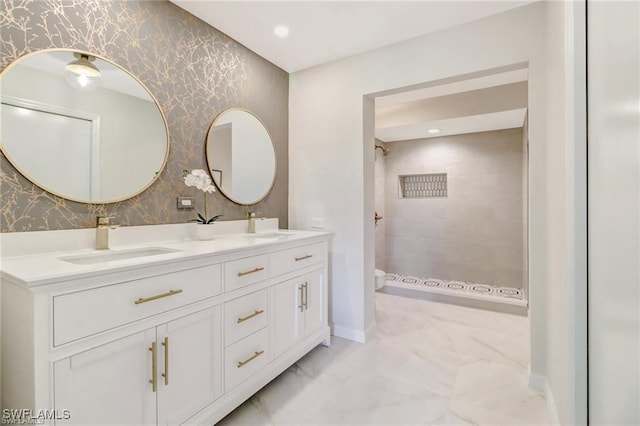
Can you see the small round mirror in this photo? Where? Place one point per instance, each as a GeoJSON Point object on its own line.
{"type": "Point", "coordinates": [241, 156]}
{"type": "Point", "coordinates": [81, 127]}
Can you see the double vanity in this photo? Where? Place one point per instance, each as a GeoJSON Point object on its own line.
{"type": "Point", "coordinates": [163, 329]}
{"type": "Point", "coordinates": [164, 333]}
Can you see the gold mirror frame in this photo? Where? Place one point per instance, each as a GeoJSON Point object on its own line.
{"type": "Point", "coordinates": [209, 165]}
{"type": "Point", "coordinates": [20, 170]}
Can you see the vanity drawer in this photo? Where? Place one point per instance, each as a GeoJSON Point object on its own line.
{"type": "Point", "coordinates": [83, 313]}
{"type": "Point", "coordinates": [245, 315]}
{"type": "Point", "coordinates": [298, 257]}
{"type": "Point", "coordinates": [245, 358]}
{"type": "Point", "coordinates": [245, 271]}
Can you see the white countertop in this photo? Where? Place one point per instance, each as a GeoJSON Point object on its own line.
{"type": "Point", "coordinates": [48, 268]}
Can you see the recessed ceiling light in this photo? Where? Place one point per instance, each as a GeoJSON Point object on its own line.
{"type": "Point", "coordinates": [434, 130]}
{"type": "Point", "coordinates": [281, 31]}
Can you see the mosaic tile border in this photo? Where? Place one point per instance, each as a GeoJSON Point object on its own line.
{"type": "Point", "coordinates": [509, 295]}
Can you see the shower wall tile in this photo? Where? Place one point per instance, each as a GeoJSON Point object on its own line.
{"type": "Point", "coordinates": [476, 233]}
{"type": "Point", "coordinates": [194, 71]}
{"type": "Point", "coordinates": [507, 256]}
{"type": "Point", "coordinates": [507, 210]}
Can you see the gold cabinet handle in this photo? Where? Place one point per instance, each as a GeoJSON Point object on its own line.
{"type": "Point", "coordinates": [258, 269]}
{"type": "Point", "coordinates": [154, 367]}
{"type": "Point", "coordinates": [301, 305]}
{"type": "Point", "coordinates": [305, 286]}
{"type": "Point", "coordinates": [251, 358]}
{"type": "Point", "coordinates": [254, 314]}
{"type": "Point", "coordinates": [165, 343]}
{"type": "Point", "coordinates": [298, 259]}
{"type": "Point", "coordinates": [157, 296]}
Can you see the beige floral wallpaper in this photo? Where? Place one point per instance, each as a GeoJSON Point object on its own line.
{"type": "Point", "coordinates": [194, 71]}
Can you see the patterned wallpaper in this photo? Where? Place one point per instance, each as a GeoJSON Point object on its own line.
{"type": "Point", "coordinates": [193, 70]}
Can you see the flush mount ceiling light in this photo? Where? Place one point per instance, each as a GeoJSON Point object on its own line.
{"type": "Point", "coordinates": [82, 74]}
{"type": "Point", "coordinates": [434, 130]}
{"type": "Point", "coordinates": [281, 31]}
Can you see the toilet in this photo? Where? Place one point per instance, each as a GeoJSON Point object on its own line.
{"type": "Point", "coordinates": [381, 278]}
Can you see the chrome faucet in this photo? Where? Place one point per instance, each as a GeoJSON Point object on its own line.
{"type": "Point", "coordinates": [102, 231]}
{"type": "Point", "coordinates": [251, 222]}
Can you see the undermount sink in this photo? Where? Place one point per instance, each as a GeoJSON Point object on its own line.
{"type": "Point", "coordinates": [111, 255]}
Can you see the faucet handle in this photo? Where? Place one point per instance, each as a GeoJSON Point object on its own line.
{"type": "Point", "coordinates": [252, 215]}
{"type": "Point", "coordinates": [105, 221]}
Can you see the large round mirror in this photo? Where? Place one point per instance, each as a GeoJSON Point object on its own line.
{"type": "Point", "coordinates": [241, 157]}
{"type": "Point", "coordinates": [81, 127]}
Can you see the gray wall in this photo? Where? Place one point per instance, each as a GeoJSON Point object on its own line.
{"type": "Point", "coordinates": [475, 234]}
{"type": "Point", "coordinates": [193, 70]}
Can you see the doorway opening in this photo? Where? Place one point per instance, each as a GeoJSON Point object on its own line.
{"type": "Point", "coordinates": [451, 180]}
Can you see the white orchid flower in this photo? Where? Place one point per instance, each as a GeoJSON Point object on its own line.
{"type": "Point", "coordinates": [200, 179]}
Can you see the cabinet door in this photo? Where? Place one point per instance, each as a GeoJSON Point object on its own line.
{"type": "Point", "coordinates": [314, 298]}
{"type": "Point", "coordinates": [108, 384]}
{"type": "Point", "coordinates": [288, 315]}
{"type": "Point", "coordinates": [189, 365]}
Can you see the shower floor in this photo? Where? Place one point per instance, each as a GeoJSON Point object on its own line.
{"type": "Point", "coordinates": [506, 295]}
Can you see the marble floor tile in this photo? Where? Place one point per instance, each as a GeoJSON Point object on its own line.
{"type": "Point", "coordinates": [427, 364]}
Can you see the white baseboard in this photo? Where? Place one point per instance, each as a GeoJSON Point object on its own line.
{"type": "Point", "coordinates": [551, 404]}
{"type": "Point", "coordinates": [539, 383]}
{"type": "Point", "coordinates": [348, 333]}
{"type": "Point", "coordinates": [368, 334]}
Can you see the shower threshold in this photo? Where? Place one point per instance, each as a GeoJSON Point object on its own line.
{"type": "Point", "coordinates": [475, 291]}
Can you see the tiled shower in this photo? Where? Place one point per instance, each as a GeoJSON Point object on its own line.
{"type": "Point", "coordinates": [454, 214]}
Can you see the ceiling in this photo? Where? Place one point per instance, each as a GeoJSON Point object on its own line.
{"type": "Point", "coordinates": [476, 105]}
{"type": "Point", "coordinates": [324, 31]}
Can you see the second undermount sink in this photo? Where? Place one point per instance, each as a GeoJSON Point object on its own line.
{"type": "Point", "coordinates": [111, 255]}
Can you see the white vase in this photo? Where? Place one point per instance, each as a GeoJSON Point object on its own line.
{"type": "Point", "coordinates": [205, 232]}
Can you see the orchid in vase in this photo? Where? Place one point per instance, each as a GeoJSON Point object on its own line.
{"type": "Point", "coordinates": [201, 180]}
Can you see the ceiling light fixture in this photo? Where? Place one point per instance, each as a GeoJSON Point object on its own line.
{"type": "Point", "coordinates": [82, 74]}
{"type": "Point", "coordinates": [281, 31]}
{"type": "Point", "coordinates": [434, 131]}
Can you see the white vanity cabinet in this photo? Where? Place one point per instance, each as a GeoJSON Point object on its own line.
{"type": "Point", "coordinates": [189, 365]}
{"type": "Point", "coordinates": [109, 383]}
{"type": "Point", "coordinates": [172, 370]}
{"type": "Point", "coordinates": [298, 306]}
{"type": "Point", "coordinates": [180, 339]}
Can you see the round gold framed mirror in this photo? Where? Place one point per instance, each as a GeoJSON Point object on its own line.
{"type": "Point", "coordinates": [81, 127]}
{"type": "Point", "coordinates": [241, 156]}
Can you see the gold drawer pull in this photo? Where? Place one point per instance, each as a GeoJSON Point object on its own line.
{"type": "Point", "coordinates": [157, 296]}
{"type": "Point", "coordinates": [165, 343]}
{"type": "Point", "coordinates": [298, 259]}
{"type": "Point", "coordinates": [305, 288]}
{"type": "Point", "coordinates": [154, 367]}
{"type": "Point", "coordinates": [255, 314]}
{"type": "Point", "coordinates": [258, 269]}
{"type": "Point", "coordinates": [251, 358]}
{"type": "Point", "coordinates": [301, 305]}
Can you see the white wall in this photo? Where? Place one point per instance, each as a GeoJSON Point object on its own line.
{"type": "Point", "coordinates": [331, 162]}
{"type": "Point", "coordinates": [556, 260]}
{"type": "Point", "coordinates": [565, 99]}
{"type": "Point", "coordinates": [328, 164]}
{"type": "Point", "coordinates": [614, 213]}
